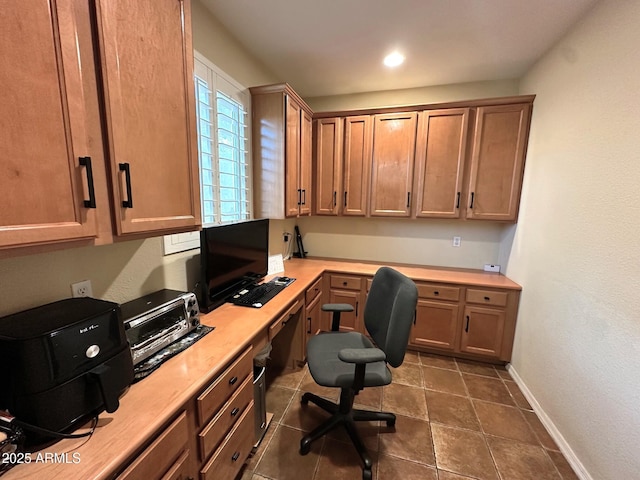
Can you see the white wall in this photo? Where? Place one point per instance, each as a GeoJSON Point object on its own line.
{"type": "Point", "coordinates": [575, 249]}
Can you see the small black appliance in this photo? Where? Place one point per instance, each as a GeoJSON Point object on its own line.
{"type": "Point", "coordinates": [63, 362]}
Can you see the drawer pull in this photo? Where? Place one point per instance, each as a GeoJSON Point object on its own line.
{"type": "Point", "coordinates": [86, 162]}
{"type": "Point", "coordinates": [233, 380]}
{"type": "Point", "coordinates": [466, 329]}
{"type": "Point", "coordinates": [236, 456]}
{"type": "Point", "coordinates": [126, 168]}
{"type": "Point", "coordinates": [344, 283]}
{"type": "Point", "coordinates": [235, 411]}
{"type": "Point", "coordinates": [436, 292]}
{"type": "Point", "coordinates": [487, 298]}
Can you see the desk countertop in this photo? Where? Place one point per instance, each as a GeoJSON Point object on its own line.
{"type": "Point", "coordinates": [150, 404]}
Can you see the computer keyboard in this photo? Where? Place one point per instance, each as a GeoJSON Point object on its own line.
{"type": "Point", "coordinates": [257, 296]}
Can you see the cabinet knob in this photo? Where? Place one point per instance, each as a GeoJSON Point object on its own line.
{"type": "Point", "coordinates": [344, 283]}
{"type": "Point", "coordinates": [436, 292]}
{"type": "Point", "coordinates": [235, 411]}
{"type": "Point", "coordinates": [235, 456]}
{"type": "Point", "coordinates": [487, 299]}
{"type": "Point", "coordinates": [233, 380]}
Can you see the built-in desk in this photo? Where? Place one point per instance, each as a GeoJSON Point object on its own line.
{"type": "Point", "coordinates": [163, 407]}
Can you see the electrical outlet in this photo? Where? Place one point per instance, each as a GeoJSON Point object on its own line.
{"type": "Point", "coordinates": [491, 268]}
{"type": "Point", "coordinates": [81, 289]}
{"type": "Point", "coordinates": [456, 241]}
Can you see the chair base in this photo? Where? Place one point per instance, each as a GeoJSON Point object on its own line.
{"type": "Point", "coordinates": [344, 414]}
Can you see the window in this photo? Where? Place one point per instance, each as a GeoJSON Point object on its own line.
{"type": "Point", "coordinates": [223, 145]}
{"type": "Point", "coordinates": [222, 116]}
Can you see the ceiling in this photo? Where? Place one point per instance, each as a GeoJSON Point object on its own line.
{"type": "Point", "coordinates": [331, 47]}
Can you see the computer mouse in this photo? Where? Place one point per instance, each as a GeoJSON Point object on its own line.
{"type": "Point", "coordinates": [283, 279]}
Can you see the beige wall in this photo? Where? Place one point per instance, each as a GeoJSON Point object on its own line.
{"type": "Point", "coordinates": [130, 269]}
{"type": "Point", "coordinates": [575, 249]}
{"type": "Point", "coordinates": [413, 96]}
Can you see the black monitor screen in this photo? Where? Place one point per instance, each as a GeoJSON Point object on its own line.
{"type": "Point", "coordinates": [232, 256]}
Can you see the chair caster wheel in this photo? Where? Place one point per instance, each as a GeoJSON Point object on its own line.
{"type": "Point", "coordinates": [366, 474]}
{"type": "Point", "coordinates": [305, 447]}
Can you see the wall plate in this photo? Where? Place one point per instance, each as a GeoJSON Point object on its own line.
{"type": "Point", "coordinates": [491, 268]}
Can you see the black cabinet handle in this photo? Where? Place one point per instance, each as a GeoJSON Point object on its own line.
{"type": "Point", "coordinates": [126, 168]}
{"type": "Point", "coordinates": [335, 198]}
{"type": "Point", "coordinates": [299, 196]}
{"type": "Point", "coordinates": [471, 204]}
{"type": "Point", "coordinates": [233, 380]}
{"type": "Point", "coordinates": [415, 316]}
{"type": "Point", "coordinates": [357, 308]}
{"type": "Point", "coordinates": [304, 197]}
{"type": "Point", "coordinates": [86, 162]}
{"type": "Point", "coordinates": [458, 200]}
{"type": "Point", "coordinates": [235, 456]}
{"type": "Point", "coordinates": [408, 199]}
{"type": "Point", "coordinates": [345, 199]}
{"type": "Point", "coordinates": [487, 299]}
{"type": "Point", "coordinates": [235, 411]}
{"type": "Point", "coordinates": [436, 292]}
{"type": "Point", "coordinates": [466, 329]}
{"type": "Point", "coordinates": [309, 320]}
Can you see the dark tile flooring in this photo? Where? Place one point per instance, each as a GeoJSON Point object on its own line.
{"type": "Point", "coordinates": [456, 420]}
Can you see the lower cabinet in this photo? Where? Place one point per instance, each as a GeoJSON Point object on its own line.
{"type": "Point", "coordinates": [465, 321]}
{"type": "Point", "coordinates": [313, 309]}
{"type": "Point", "coordinates": [346, 289]}
{"type": "Point", "coordinates": [166, 457]}
{"type": "Point", "coordinates": [224, 420]}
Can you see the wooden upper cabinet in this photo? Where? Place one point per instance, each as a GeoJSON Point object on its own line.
{"type": "Point", "coordinates": [147, 67]}
{"type": "Point", "coordinates": [356, 179]}
{"type": "Point", "coordinates": [293, 192]}
{"type": "Point", "coordinates": [497, 161]}
{"type": "Point", "coordinates": [282, 150]}
{"type": "Point", "coordinates": [306, 169]}
{"type": "Point", "coordinates": [44, 185]}
{"type": "Point", "coordinates": [440, 155]}
{"type": "Point", "coordinates": [394, 142]}
{"type": "Point", "coordinates": [327, 165]}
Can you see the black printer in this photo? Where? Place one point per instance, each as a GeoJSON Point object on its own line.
{"type": "Point", "coordinates": [63, 363]}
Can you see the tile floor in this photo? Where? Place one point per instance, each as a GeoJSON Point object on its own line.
{"type": "Point", "coordinates": [456, 420]}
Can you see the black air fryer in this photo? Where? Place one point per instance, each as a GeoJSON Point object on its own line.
{"type": "Point", "coordinates": [63, 362]}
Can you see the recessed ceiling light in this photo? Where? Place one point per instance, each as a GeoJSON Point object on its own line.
{"type": "Point", "coordinates": [393, 59]}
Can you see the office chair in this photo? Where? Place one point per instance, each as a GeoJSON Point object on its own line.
{"type": "Point", "coordinates": [350, 361]}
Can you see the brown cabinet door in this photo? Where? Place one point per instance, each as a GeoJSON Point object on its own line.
{"type": "Point", "coordinates": [436, 325]}
{"type": "Point", "coordinates": [349, 321]}
{"type": "Point", "coordinates": [147, 67]}
{"type": "Point", "coordinates": [328, 165]}
{"type": "Point", "coordinates": [440, 154]}
{"type": "Point", "coordinates": [482, 331]}
{"type": "Point", "coordinates": [497, 161]}
{"type": "Point", "coordinates": [42, 127]}
{"type": "Point", "coordinates": [293, 193]}
{"type": "Point", "coordinates": [358, 142]}
{"type": "Point", "coordinates": [394, 141]}
{"type": "Point", "coordinates": [313, 319]}
{"type": "Point", "coordinates": [306, 146]}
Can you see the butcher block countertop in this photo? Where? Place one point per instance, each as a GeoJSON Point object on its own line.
{"type": "Point", "coordinates": [148, 406]}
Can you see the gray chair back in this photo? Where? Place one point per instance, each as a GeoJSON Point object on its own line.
{"type": "Point", "coordinates": [389, 312]}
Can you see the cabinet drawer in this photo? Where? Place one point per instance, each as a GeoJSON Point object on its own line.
{"type": "Point", "coordinates": [180, 469]}
{"type": "Point", "coordinates": [487, 297]}
{"type": "Point", "coordinates": [228, 382]}
{"type": "Point", "coordinates": [160, 456]}
{"type": "Point", "coordinates": [345, 281]}
{"type": "Point", "coordinates": [230, 457]}
{"type": "Point", "coordinates": [313, 291]}
{"type": "Point", "coordinates": [279, 324]}
{"type": "Point", "coordinates": [213, 433]}
{"type": "Point", "coordinates": [438, 292]}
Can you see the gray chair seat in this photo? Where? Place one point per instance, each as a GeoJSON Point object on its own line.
{"type": "Point", "coordinates": [329, 371]}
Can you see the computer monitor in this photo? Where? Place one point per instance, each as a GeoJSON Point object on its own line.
{"type": "Point", "coordinates": [231, 257]}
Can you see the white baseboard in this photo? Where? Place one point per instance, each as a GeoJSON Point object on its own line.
{"type": "Point", "coordinates": [566, 450]}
